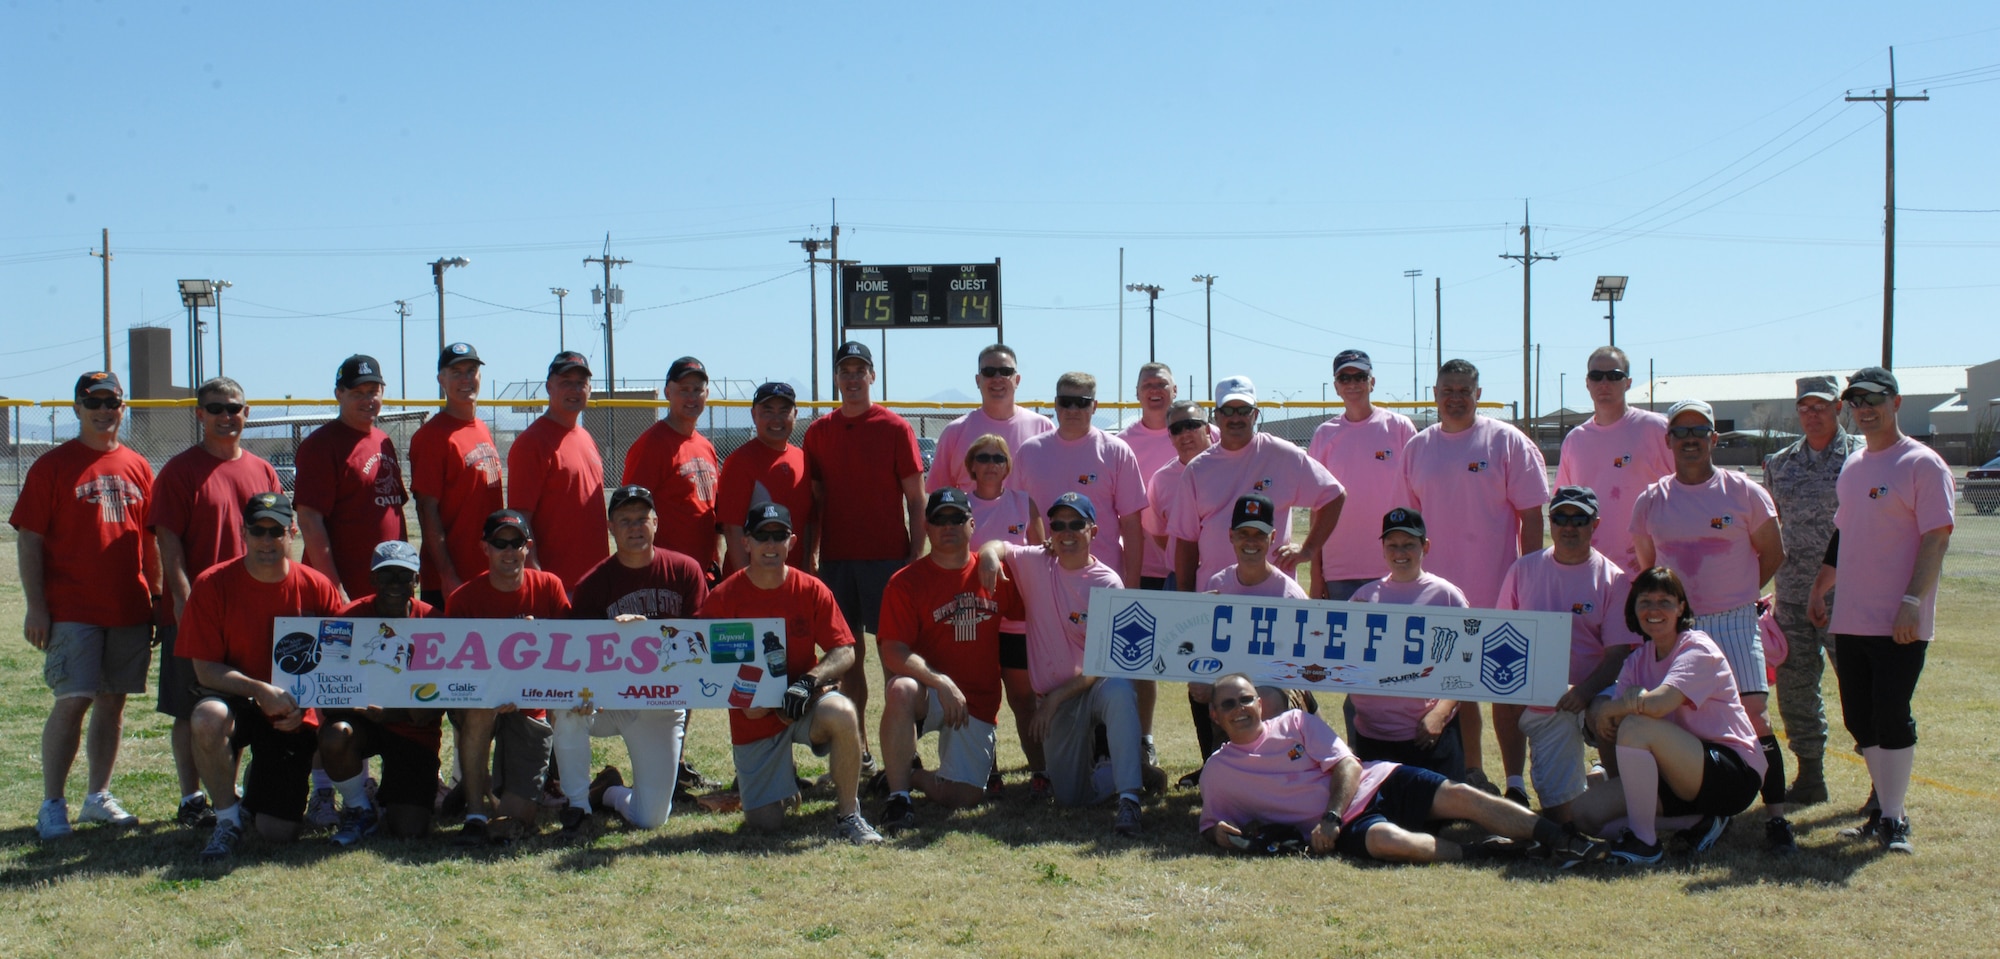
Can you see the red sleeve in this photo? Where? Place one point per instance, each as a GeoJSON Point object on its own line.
{"type": "Point", "coordinates": [898, 621]}
{"type": "Point", "coordinates": [169, 503]}
{"type": "Point", "coordinates": [427, 462]}
{"type": "Point", "coordinates": [200, 635]}
{"type": "Point", "coordinates": [829, 626]}
{"type": "Point", "coordinates": [314, 483]}
{"type": "Point", "coordinates": [527, 466]}
{"type": "Point", "coordinates": [638, 460]}
{"type": "Point", "coordinates": [34, 510]}
{"type": "Point", "coordinates": [810, 444]}
{"type": "Point", "coordinates": [909, 459]}
{"type": "Point", "coordinates": [459, 605]}
{"type": "Point", "coordinates": [732, 490]}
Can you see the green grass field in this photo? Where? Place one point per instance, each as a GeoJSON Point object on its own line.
{"type": "Point", "coordinates": [1014, 878]}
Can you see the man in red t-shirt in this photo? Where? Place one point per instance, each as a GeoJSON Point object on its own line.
{"type": "Point", "coordinates": [556, 477]}
{"type": "Point", "coordinates": [197, 519]}
{"type": "Point", "coordinates": [763, 737]}
{"type": "Point", "coordinates": [455, 476]}
{"type": "Point", "coordinates": [768, 469]}
{"type": "Point", "coordinates": [88, 573]}
{"type": "Point", "coordinates": [408, 740]}
{"type": "Point", "coordinates": [863, 457]}
{"type": "Point", "coordinates": [226, 631]}
{"type": "Point", "coordinates": [940, 638]}
{"type": "Point", "coordinates": [679, 465]}
{"type": "Point", "coordinates": [350, 488]}
{"type": "Point", "coordinates": [507, 590]}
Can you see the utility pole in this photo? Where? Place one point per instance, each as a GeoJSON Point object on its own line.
{"type": "Point", "coordinates": [811, 246]}
{"type": "Point", "coordinates": [1413, 274]}
{"type": "Point", "coordinates": [1889, 99]}
{"type": "Point", "coordinates": [105, 255]}
{"type": "Point", "coordinates": [1527, 257]}
{"type": "Point", "coordinates": [1437, 310]}
{"type": "Point", "coordinates": [562, 344]}
{"type": "Point", "coordinates": [1208, 322]}
{"type": "Point", "coordinates": [609, 294]}
{"type": "Point", "coordinates": [1152, 291]}
{"type": "Point", "coordinates": [403, 345]}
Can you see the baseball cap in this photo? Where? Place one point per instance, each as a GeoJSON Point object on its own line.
{"type": "Point", "coordinates": [569, 360]}
{"type": "Point", "coordinates": [271, 506]}
{"type": "Point", "coordinates": [1873, 379]}
{"type": "Point", "coordinates": [505, 519]}
{"type": "Point", "coordinates": [853, 349]}
{"type": "Point", "coordinates": [1403, 520]}
{"type": "Point", "coordinates": [1824, 387]}
{"type": "Point", "coordinates": [356, 370]}
{"type": "Point", "coordinates": [458, 353]}
{"type": "Point", "coordinates": [781, 391]}
{"type": "Point", "coordinates": [394, 552]}
{"type": "Point", "coordinates": [1254, 511]}
{"type": "Point", "coordinates": [96, 380]}
{"type": "Point", "coordinates": [630, 493]}
{"type": "Point", "coordinates": [1581, 497]}
{"type": "Point", "coordinates": [1353, 358]}
{"type": "Point", "coordinates": [1076, 501]}
{"type": "Point", "coordinates": [1696, 406]}
{"type": "Point", "coordinates": [950, 497]}
{"type": "Point", "coordinates": [684, 366]}
{"type": "Point", "coordinates": [764, 514]}
{"type": "Point", "coordinates": [1235, 388]}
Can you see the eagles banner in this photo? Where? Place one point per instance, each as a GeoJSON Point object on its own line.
{"type": "Point", "coordinates": [1441, 652]}
{"type": "Point", "coordinates": [482, 663]}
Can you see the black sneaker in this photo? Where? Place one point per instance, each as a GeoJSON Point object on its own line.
{"type": "Point", "coordinates": [1702, 836]}
{"type": "Point", "coordinates": [602, 783]}
{"type": "Point", "coordinates": [996, 788]}
{"type": "Point", "coordinates": [691, 778]}
{"type": "Point", "coordinates": [1518, 797]}
{"type": "Point", "coordinates": [196, 813]}
{"type": "Point", "coordinates": [1896, 836]}
{"type": "Point", "coordinates": [1867, 829]}
{"type": "Point", "coordinates": [1778, 836]}
{"type": "Point", "coordinates": [1629, 851]}
{"type": "Point", "coordinates": [1190, 781]}
{"type": "Point", "coordinates": [473, 833]}
{"type": "Point", "coordinates": [576, 823]}
{"type": "Point", "coordinates": [898, 814]}
{"type": "Point", "coordinates": [1577, 849]}
{"type": "Point", "coordinates": [1127, 823]}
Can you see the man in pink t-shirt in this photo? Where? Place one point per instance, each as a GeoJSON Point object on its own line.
{"type": "Point", "coordinates": [556, 478]}
{"type": "Point", "coordinates": [1153, 446]}
{"type": "Point", "coordinates": [1078, 457]}
{"type": "Point", "coordinates": [998, 378]}
{"type": "Point", "coordinates": [1427, 733]}
{"type": "Point", "coordinates": [1363, 448]}
{"type": "Point", "coordinates": [1894, 525]}
{"type": "Point", "coordinates": [1618, 452]}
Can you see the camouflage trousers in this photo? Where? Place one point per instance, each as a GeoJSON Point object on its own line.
{"type": "Point", "coordinates": [1800, 705]}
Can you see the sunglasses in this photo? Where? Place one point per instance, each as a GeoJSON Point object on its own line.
{"type": "Point", "coordinates": [1351, 378]}
{"type": "Point", "coordinates": [1569, 519]}
{"type": "Point", "coordinates": [505, 545]}
{"type": "Point", "coordinates": [1075, 402]}
{"type": "Point", "coordinates": [261, 531]}
{"type": "Point", "coordinates": [1232, 705]}
{"type": "Point", "coordinates": [1605, 376]}
{"type": "Point", "coordinates": [1068, 525]}
{"type": "Point", "coordinates": [1236, 411]}
{"type": "Point", "coordinates": [395, 576]}
{"type": "Point", "coordinates": [989, 458]}
{"type": "Point", "coordinates": [1178, 427]}
{"type": "Point", "coordinates": [1684, 432]}
{"type": "Point", "coordinates": [100, 402]}
{"type": "Point", "coordinates": [991, 372]}
{"type": "Point", "coordinates": [953, 518]}
{"type": "Point", "coordinates": [220, 409]}
{"type": "Point", "coordinates": [1859, 400]}
{"type": "Point", "coordinates": [770, 535]}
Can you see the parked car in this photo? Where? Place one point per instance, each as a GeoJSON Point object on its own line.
{"type": "Point", "coordinates": [287, 471]}
{"type": "Point", "coordinates": [1982, 486]}
{"type": "Point", "coordinates": [928, 447]}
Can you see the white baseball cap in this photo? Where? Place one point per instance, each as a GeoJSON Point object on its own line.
{"type": "Point", "coordinates": [1235, 388]}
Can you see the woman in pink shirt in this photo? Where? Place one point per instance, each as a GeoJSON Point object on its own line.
{"type": "Point", "coordinates": [1685, 745]}
{"type": "Point", "coordinates": [1007, 515]}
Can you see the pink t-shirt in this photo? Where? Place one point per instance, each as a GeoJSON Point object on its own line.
{"type": "Point", "coordinates": [1005, 518]}
{"type": "Point", "coordinates": [1099, 466]}
{"type": "Point", "coordinates": [1713, 712]}
{"type": "Point", "coordinates": [1887, 501]}
{"type": "Point", "coordinates": [1284, 777]}
{"type": "Point", "coordinates": [948, 462]}
{"type": "Point", "coordinates": [1163, 490]}
{"type": "Point", "coordinates": [1702, 531]}
{"type": "Point", "coordinates": [1214, 481]}
{"type": "Point", "coordinates": [1396, 718]}
{"type": "Point", "coordinates": [1153, 448]}
{"type": "Point", "coordinates": [1593, 592]}
{"type": "Point", "coordinates": [1367, 458]}
{"type": "Point", "coordinates": [1058, 605]}
{"type": "Point", "coordinates": [1471, 486]}
{"type": "Point", "coordinates": [1276, 584]}
{"type": "Point", "coordinates": [1617, 462]}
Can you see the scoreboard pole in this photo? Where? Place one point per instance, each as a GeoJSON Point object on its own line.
{"type": "Point", "coordinates": [999, 324]}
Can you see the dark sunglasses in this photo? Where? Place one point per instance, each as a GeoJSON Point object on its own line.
{"type": "Point", "coordinates": [1066, 525]}
{"type": "Point", "coordinates": [1075, 402]}
{"type": "Point", "coordinates": [219, 409]}
{"type": "Point", "coordinates": [989, 457]}
{"type": "Point", "coordinates": [100, 402]}
{"type": "Point", "coordinates": [1859, 400]}
{"type": "Point", "coordinates": [1232, 705]}
{"type": "Point", "coordinates": [770, 535]}
{"type": "Point", "coordinates": [1351, 378]}
{"type": "Point", "coordinates": [993, 371]}
{"type": "Point", "coordinates": [1569, 519]}
{"type": "Point", "coordinates": [1683, 432]}
{"type": "Point", "coordinates": [953, 518]}
{"type": "Point", "coordinates": [1178, 427]}
{"type": "Point", "coordinates": [396, 576]}
{"type": "Point", "coordinates": [507, 544]}
{"type": "Point", "coordinates": [1235, 410]}
{"type": "Point", "coordinates": [266, 532]}
{"type": "Point", "coordinates": [1605, 376]}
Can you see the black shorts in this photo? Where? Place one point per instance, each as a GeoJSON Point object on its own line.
{"type": "Point", "coordinates": [1013, 651]}
{"type": "Point", "coordinates": [1728, 786]}
{"type": "Point", "coordinates": [279, 778]}
{"type": "Point", "coordinates": [857, 586]}
{"type": "Point", "coordinates": [409, 765]}
{"type": "Point", "coordinates": [1404, 800]}
{"type": "Point", "coordinates": [1446, 757]}
{"type": "Point", "coordinates": [177, 695]}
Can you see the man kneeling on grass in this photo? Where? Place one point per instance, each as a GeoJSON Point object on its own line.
{"type": "Point", "coordinates": [1294, 772]}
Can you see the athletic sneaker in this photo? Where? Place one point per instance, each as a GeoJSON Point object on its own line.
{"type": "Point", "coordinates": [473, 833]}
{"type": "Point", "coordinates": [356, 823]}
{"type": "Point", "coordinates": [575, 822]}
{"type": "Point", "coordinates": [691, 778]}
{"type": "Point", "coordinates": [606, 778]}
{"type": "Point", "coordinates": [1190, 781]}
{"type": "Point", "coordinates": [322, 810]}
{"type": "Point", "coordinates": [52, 822]}
{"type": "Point", "coordinates": [1128, 817]}
{"type": "Point", "coordinates": [856, 830]}
{"type": "Point", "coordinates": [1778, 836]}
{"type": "Point", "coordinates": [1896, 835]}
{"type": "Point", "coordinates": [1868, 827]}
{"type": "Point", "coordinates": [103, 807]}
{"type": "Point", "coordinates": [1039, 787]}
{"type": "Point", "coordinates": [1152, 752]}
{"type": "Point", "coordinates": [506, 830]}
{"type": "Point", "coordinates": [1518, 797]}
{"type": "Point", "coordinates": [196, 813]}
{"type": "Point", "coordinates": [868, 767]}
{"type": "Point", "coordinates": [1577, 849]}
{"type": "Point", "coordinates": [1629, 851]}
{"type": "Point", "coordinates": [222, 842]}
{"type": "Point", "coordinates": [1701, 836]}
{"type": "Point", "coordinates": [898, 814]}
{"type": "Point", "coordinates": [1476, 778]}
{"type": "Point", "coordinates": [996, 788]}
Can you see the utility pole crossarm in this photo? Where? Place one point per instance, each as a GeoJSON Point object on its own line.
{"type": "Point", "coordinates": [1889, 98]}
{"type": "Point", "coordinates": [1528, 258]}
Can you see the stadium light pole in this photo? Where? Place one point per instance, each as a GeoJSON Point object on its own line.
{"type": "Point", "coordinates": [1208, 322]}
{"type": "Point", "coordinates": [1414, 365]}
{"type": "Point", "coordinates": [437, 277]}
{"type": "Point", "coordinates": [220, 285]}
{"type": "Point", "coordinates": [1610, 289]}
{"type": "Point", "coordinates": [561, 344]}
{"type": "Point", "coordinates": [195, 294]}
{"type": "Point", "coordinates": [1152, 292]}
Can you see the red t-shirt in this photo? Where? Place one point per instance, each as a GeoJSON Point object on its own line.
{"type": "Point", "coordinates": [431, 735]}
{"type": "Point", "coordinates": [365, 606]}
{"type": "Point", "coordinates": [946, 617]}
{"type": "Point", "coordinates": [682, 472]}
{"type": "Point", "coordinates": [455, 461]}
{"type": "Point", "coordinates": [860, 462]}
{"type": "Point", "coordinates": [199, 499]}
{"type": "Point", "coordinates": [812, 620]}
{"type": "Point", "coordinates": [670, 587]}
{"type": "Point", "coordinates": [541, 595]}
{"type": "Point", "coordinates": [229, 613]}
{"type": "Point", "coordinates": [90, 509]}
{"type": "Point", "coordinates": [558, 478]}
{"type": "Point", "coordinates": [786, 479]}
{"type": "Point", "coordinates": [352, 479]}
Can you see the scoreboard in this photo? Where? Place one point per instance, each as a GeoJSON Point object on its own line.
{"type": "Point", "coordinates": [944, 295]}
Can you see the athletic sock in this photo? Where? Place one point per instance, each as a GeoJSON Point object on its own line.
{"type": "Point", "coordinates": [1549, 833]}
{"type": "Point", "coordinates": [902, 794]}
{"type": "Point", "coordinates": [1517, 782]}
{"type": "Point", "coordinates": [475, 817]}
{"type": "Point", "coordinates": [1774, 776]}
{"type": "Point", "coordinates": [321, 780]}
{"type": "Point", "coordinates": [619, 799]}
{"type": "Point", "coordinates": [191, 797]}
{"type": "Point", "coordinates": [232, 814]}
{"type": "Point", "coordinates": [1892, 787]}
{"type": "Point", "coordinates": [1204, 729]}
{"type": "Point", "coordinates": [1129, 795]}
{"type": "Point", "coordinates": [1640, 773]}
{"type": "Point", "coordinates": [353, 792]}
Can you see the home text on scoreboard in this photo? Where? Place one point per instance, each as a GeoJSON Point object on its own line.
{"type": "Point", "coordinates": [938, 295]}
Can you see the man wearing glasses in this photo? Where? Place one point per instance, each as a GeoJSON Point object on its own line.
{"type": "Point", "coordinates": [87, 572]}
{"type": "Point", "coordinates": [680, 466]}
{"type": "Point", "coordinates": [455, 474]}
{"type": "Point", "coordinates": [1618, 452]}
{"type": "Point", "coordinates": [768, 469]}
{"type": "Point", "coordinates": [1152, 444]}
{"type": "Point", "coordinates": [1363, 447]}
{"type": "Point", "coordinates": [556, 477]}
{"type": "Point", "coordinates": [1801, 479]}
{"type": "Point", "coordinates": [1718, 530]}
{"type": "Point", "coordinates": [349, 489]}
{"type": "Point", "coordinates": [197, 519]}
{"type": "Point", "coordinates": [1081, 458]}
{"type": "Point", "coordinates": [998, 379]}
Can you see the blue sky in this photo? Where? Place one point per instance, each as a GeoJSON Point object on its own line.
{"type": "Point", "coordinates": [1306, 154]}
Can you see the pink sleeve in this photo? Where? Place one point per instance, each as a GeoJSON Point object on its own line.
{"type": "Point", "coordinates": [1183, 519]}
{"type": "Point", "coordinates": [1934, 494]}
{"type": "Point", "coordinates": [1699, 674]}
{"type": "Point", "coordinates": [1321, 743]}
{"type": "Point", "coordinates": [1616, 631]}
{"type": "Point", "coordinates": [1130, 489]}
{"type": "Point", "coordinates": [1408, 486]}
{"type": "Point", "coordinates": [945, 461]}
{"type": "Point", "coordinates": [1564, 476]}
{"type": "Point", "coordinates": [1510, 587]}
{"type": "Point", "coordinates": [1758, 503]}
{"type": "Point", "coordinates": [1314, 475]}
{"type": "Point", "coordinates": [1529, 486]}
{"type": "Point", "coordinates": [1642, 509]}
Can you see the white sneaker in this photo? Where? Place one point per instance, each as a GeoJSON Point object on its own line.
{"type": "Point", "coordinates": [322, 810]}
{"type": "Point", "coordinates": [52, 822]}
{"type": "Point", "coordinates": [103, 807]}
{"type": "Point", "coordinates": [856, 830]}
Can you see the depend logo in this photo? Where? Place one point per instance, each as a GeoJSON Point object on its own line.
{"type": "Point", "coordinates": [1477, 467]}
{"type": "Point", "coordinates": [1877, 492]}
{"type": "Point", "coordinates": [424, 692]}
{"type": "Point", "coordinates": [1619, 463]}
{"type": "Point", "coordinates": [1722, 522]}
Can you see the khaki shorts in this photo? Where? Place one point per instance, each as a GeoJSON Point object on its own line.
{"type": "Point", "coordinates": [965, 754]}
{"type": "Point", "coordinates": [83, 660]}
{"type": "Point", "coordinates": [765, 772]}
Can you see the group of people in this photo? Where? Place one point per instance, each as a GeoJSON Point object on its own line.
{"type": "Point", "coordinates": [974, 577]}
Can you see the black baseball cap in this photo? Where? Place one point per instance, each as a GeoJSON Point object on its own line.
{"type": "Point", "coordinates": [1076, 501]}
{"type": "Point", "coordinates": [766, 513]}
{"type": "Point", "coordinates": [1581, 497]}
{"type": "Point", "coordinates": [1403, 520]}
{"type": "Point", "coordinates": [356, 370]}
{"type": "Point", "coordinates": [1873, 379]}
{"type": "Point", "coordinates": [1255, 511]}
{"type": "Point", "coordinates": [271, 506]}
{"type": "Point", "coordinates": [853, 349]}
{"type": "Point", "coordinates": [1354, 358]}
{"type": "Point", "coordinates": [684, 366]}
{"type": "Point", "coordinates": [458, 353]}
{"type": "Point", "coordinates": [781, 391]}
{"type": "Point", "coordinates": [630, 493]}
{"type": "Point", "coordinates": [569, 360]}
{"type": "Point", "coordinates": [950, 497]}
{"type": "Point", "coordinates": [505, 519]}
{"type": "Point", "coordinates": [97, 380]}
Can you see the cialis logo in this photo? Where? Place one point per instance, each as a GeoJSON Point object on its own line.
{"type": "Point", "coordinates": [423, 692]}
